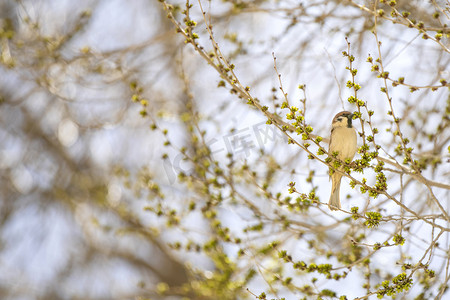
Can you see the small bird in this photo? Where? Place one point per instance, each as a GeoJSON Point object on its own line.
{"type": "Point", "coordinates": [343, 141]}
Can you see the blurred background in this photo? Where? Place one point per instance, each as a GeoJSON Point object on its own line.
{"type": "Point", "coordinates": [129, 172]}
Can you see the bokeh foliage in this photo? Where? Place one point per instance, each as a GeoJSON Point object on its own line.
{"type": "Point", "coordinates": [178, 150]}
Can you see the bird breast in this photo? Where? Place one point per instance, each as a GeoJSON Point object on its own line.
{"type": "Point", "coordinates": [343, 140]}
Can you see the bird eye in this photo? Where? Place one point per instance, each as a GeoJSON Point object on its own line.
{"type": "Point", "coordinates": [339, 119]}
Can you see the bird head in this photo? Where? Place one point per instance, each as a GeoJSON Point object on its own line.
{"type": "Point", "coordinates": [343, 119]}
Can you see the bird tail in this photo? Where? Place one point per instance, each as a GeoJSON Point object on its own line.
{"type": "Point", "coordinates": [335, 202]}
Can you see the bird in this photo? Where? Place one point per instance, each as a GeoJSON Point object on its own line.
{"type": "Point", "coordinates": [343, 141]}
